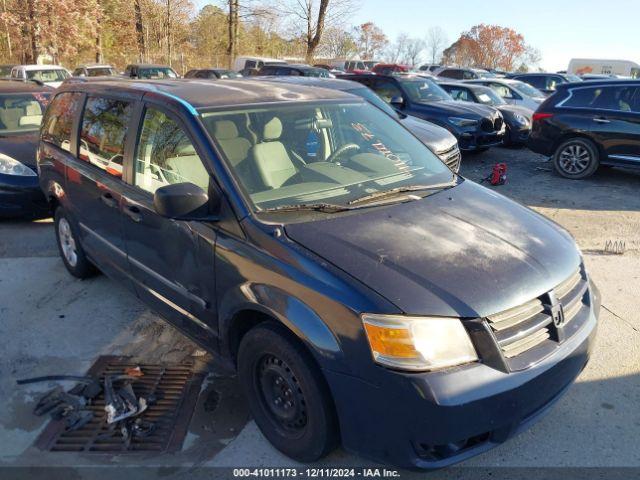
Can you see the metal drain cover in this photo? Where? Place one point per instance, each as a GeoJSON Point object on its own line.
{"type": "Point", "coordinates": [176, 387]}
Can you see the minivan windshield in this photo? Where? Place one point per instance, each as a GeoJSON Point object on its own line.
{"type": "Point", "coordinates": [319, 153]}
{"type": "Point", "coordinates": [423, 90]}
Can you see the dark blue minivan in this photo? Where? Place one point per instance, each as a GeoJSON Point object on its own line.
{"type": "Point", "coordinates": [365, 293]}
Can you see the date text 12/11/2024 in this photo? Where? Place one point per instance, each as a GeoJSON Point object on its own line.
{"type": "Point", "coordinates": [315, 473]}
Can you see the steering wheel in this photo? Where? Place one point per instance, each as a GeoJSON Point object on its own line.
{"type": "Point", "coordinates": [345, 148]}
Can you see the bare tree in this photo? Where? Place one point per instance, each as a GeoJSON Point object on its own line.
{"type": "Point", "coordinates": [34, 32]}
{"type": "Point", "coordinates": [310, 16]}
{"type": "Point", "coordinates": [142, 46]}
{"type": "Point", "coordinates": [435, 42]}
{"type": "Point", "coordinates": [338, 43]}
{"type": "Point", "coordinates": [413, 51]}
{"type": "Point", "coordinates": [233, 27]}
{"type": "Point", "coordinates": [397, 49]}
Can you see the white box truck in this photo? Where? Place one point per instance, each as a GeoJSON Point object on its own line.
{"type": "Point", "coordinates": [584, 66]}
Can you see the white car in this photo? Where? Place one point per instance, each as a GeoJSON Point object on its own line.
{"type": "Point", "coordinates": [52, 75]}
{"type": "Point", "coordinates": [514, 92]}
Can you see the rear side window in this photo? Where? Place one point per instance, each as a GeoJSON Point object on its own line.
{"type": "Point", "coordinates": [166, 155]}
{"type": "Point", "coordinates": [457, 74]}
{"type": "Point", "coordinates": [58, 122]}
{"type": "Point", "coordinates": [103, 135]}
{"type": "Point", "coordinates": [538, 82]}
{"type": "Point", "coordinates": [620, 99]}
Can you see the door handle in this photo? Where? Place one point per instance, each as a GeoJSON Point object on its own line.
{"type": "Point", "coordinates": [108, 200]}
{"type": "Point", "coordinates": [133, 213]}
{"type": "Point", "coordinates": [601, 120]}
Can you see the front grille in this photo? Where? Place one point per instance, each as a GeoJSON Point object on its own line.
{"type": "Point", "coordinates": [487, 125]}
{"type": "Point", "coordinates": [497, 124]}
{"type": "Point", "coordinates": [451, 157]}
{"type": "Point", "coordinates": [529, 332]}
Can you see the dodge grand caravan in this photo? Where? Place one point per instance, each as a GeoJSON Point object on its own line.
{"type": "Point", "coordinates": [364, 292]}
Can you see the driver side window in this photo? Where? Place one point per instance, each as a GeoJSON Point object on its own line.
{"type": "Point", "coordinates": [165, 155]}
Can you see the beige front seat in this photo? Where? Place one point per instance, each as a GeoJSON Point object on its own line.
{"type": "Point", "coordinates": [271, 158]}
{"type": "Point", "coordinates": [234, 147]}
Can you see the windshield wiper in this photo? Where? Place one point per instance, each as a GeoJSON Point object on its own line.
{"type": "Point", "coordinates": [317, 207]}
{"type": "Point", "coordinates": [398, 190]}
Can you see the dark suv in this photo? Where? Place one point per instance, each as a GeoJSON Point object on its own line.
{"type": "Point", "coordinates": [588, 124]}
{"type": "Point", "coordinates": [477, 127]}
{"type": "Point", "coordinates": [364, 292]}
{"type": "Point", "coordinates": [545, 82]}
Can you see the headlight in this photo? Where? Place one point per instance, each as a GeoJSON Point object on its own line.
{"type": "Point", "coordinates": [11, 166]}
{"type": "Point", "coordinates": [521, 119]}
{"type": "Point", "coordinates": [463, 122]}
{"type": "Point", "coordinates": [418, 343]}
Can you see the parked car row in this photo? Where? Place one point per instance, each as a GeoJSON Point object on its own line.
{"type": "Point", "coordinates": [477, 127]}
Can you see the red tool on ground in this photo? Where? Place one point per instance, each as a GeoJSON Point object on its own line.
{"type": "Point", "coordinates": [498, 174]}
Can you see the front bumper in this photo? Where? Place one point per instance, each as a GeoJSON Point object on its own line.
{"type": "Point", "coordinates": [21, 197]}
{"type": "Point", "coordinates": [518, 135]}
{"type": "Point", "coordinates": [479, 139]}
{"type": "Point", "coordinates": [432, 420]}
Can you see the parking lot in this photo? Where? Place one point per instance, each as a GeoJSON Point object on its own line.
{"type": "Point", "coordinates": [55, 324]}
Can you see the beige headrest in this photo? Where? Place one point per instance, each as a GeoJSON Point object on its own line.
{"type": "Point", "coordinates": [225, 130]}
{"type": "Point", "coordinates": [273, 129]}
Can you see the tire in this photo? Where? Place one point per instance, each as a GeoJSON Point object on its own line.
{"type": "Point", "coordinates": [275, 370]}
{"type": "Point", "coordinates": [69, 246]}
{"type": "Point", "coordinates": [576, 159]}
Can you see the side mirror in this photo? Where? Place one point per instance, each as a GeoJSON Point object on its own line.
{"type": "Point", "coordinates": [182, 201]}
{"type": "Point", "coordinates": [397, 101]}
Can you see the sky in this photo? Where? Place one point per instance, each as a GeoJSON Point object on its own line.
{"type": "Point", "coordinates": [560, 29]}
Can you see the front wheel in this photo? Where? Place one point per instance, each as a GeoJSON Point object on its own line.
{"type": "Point", "coordinates": [69, 246]}
{"type": "Point", "coordinates": [576, 159]}
{"type": "Point", "coordinates": [287, 395]}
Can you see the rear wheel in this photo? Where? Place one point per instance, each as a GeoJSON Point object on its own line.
{"type": "Point", "coordinates": [71, 250]}
{"type": "Point", "coordinates": [287, 395]}
{"type": "Point", "coordinates": [576, 159]}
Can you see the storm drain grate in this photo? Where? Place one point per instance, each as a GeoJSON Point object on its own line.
{"type": "Point", "coordinates": [176, 388]}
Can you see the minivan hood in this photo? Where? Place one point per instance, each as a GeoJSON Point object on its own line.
{"type": "Point", "coordinates": [453, 108]}
{"type": "Point", "coordinates": [21, 147]}
{"type": "Point", "coordinates": [438, 139]}
{"type": "Point", "coordinates": [464, 252]}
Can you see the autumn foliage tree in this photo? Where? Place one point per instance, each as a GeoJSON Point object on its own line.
{"type": "Point", "coordinates": [371, 40]}
{"type": "Point", "coordinates": [488, 46]}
